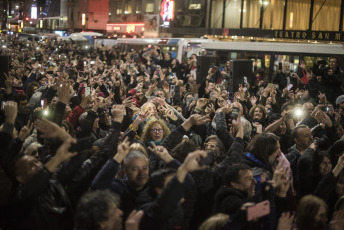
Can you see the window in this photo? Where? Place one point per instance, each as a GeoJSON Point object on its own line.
{"type": "Point", "coordinates": [138, 7]}
{"type": "Point", "coordinates": [216, 13]}
{"type": "Point", "coordinates": [297, 17]}
{"type": "Point", "coordinates": [149, 6]}
{"type": "Point", "coordinates": [326, 15]}
{"type": "Point", "coordinates": [251, 13]}
{"type": "Point", "coordinates": [118, 6]}
{"type": "Point", "coordinates": [195, 5]}
{"type": "Point", "coordinates": [273, 14]}
{"type": "Point", "coordinates": [127, 7]}
{"type": "Point", "coordinates": [233, 14]}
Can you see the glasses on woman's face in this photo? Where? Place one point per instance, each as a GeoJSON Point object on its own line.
{"type": "Point", "coordinates": [209, 146]}
{"type": "Point", "coordinates": [157, 130]}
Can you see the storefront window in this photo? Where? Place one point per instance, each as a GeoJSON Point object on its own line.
{"type": "Point", "coordinates": [251, 13]}
{"type": "Point", "coordinates": [233, 14]}
{"type": "Point", "coordinates": [216, 13]}
{"type": "Point", "coordinates": [273, 14]}
{"type": "Point", "coordinates": [298, 14]}
{"type": "Point", "coordinates": [326, 15]}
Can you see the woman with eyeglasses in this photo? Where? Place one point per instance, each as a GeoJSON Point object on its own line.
{"type": "Point", "coordinates": [154, 132]}
{"type": "Point", "coordinates": [213, 143]}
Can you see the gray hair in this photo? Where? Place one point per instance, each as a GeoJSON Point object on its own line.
{"type": "Point", "coordinates": [247, 127]}
{"type": "Point", "coordinates": [134, 154]}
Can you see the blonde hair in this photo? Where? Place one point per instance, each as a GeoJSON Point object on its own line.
{"type": "Point", "coordinates": [150, 124]}
{"type": "Point", "coordinates": [216, 222]}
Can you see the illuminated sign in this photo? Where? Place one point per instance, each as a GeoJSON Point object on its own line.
{"type": "Point", "coordinates": [167, 10]}
{"type": "Point", "coordinates": [83, 19]}
{"type": "Point", "coordinates": [34, 12]}
{"type": "Point", "coordinates": [129, 28]}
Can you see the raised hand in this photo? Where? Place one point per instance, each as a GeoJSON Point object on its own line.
{"type": "Point", "coordinates": [122, 150]}
{"type": "Point", "coordinates": [118, 112]}
{"type": "Point", "coordinates": [253, 100]}
{"type": "Point", "coordinates": [63, 153]}
{"type": "Point", "coordinates": [11, 110]}
{"type": "Point", "coordinates": [191, 161]}
{"type": "Point", "coordinates": [128, 102]}
{"type": "Point", "coordinates": [285, 221]}
{"type": "Point", "coordinates": [169, 113]}
{"type": "Point", "coordinates": [139, 119]}
{"type": "Point", "coordinates": [133, 220]}
{"type": "Point", "coordinates": [197, 119]}
{"type": "Point", "coordinates": [210, 109]}
{"type": "Point", "coordinates": [8, 83]}
{"type": "Point", "coordinates": [25, 131]}
{"type": "Point", "coordinates": [161, 152]}
{"type": "Point", "coordinates": [202, 102]}
{"type": "Point", "coordinates": [237, 125]}
{"type": "Point", "coordinates": [64, 92]}
{"type": "Point", "coordinates": [50, 130]}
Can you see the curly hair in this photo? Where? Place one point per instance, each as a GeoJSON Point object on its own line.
{"type": "Point", "coordinates": [254, 108]}
{"type": "Point", "coordinates": [150, 124]}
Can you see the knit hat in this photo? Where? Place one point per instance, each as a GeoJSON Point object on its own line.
{"type": "Point", "coordinates": [340, 99]}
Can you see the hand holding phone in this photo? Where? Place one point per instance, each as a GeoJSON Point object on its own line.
{"type": "Point", "coordinates": [87, 91]}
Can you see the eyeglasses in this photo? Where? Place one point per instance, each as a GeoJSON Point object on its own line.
{"type": "Point", "coordinates": [157, 130]}
{"type": "Point", "coordinates": [211, 146]}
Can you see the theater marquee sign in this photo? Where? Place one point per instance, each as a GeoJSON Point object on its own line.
{"type": "Point", "coordinates": [287, 34]}
{"type": "Point", "coordinates": [310, 35]}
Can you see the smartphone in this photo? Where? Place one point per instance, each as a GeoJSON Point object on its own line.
{"type": "Point", "coordinates": [187, 87]}
{"type": "Point", "coordinates": [172, 88]}
{"type": "Point", "coordinates": [81, 144]}
{"type": "Point", "coordinates": [235, 113]}
{"type": "Point", "coordinates": [87, 91]}
{"type": "Point", "coordinates": [325, 108]}
{"type": "Point", "coordinates": [258, 210]}
{"type": "Point", "coordinates": [206, 160]}
{"type": "Point", "coordinates": [85, 63]}
{"type": "Point", "coordinates": [289, 87]}
{"type": "Point", "coordinates": [3, 105]}
{"type": "Point", "coordinates": [49, 58]}
{"type": "Point", "coordinates": [92, 62]}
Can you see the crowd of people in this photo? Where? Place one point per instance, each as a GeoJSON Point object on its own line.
{"type": "Point", "coordinates": [103, 139]}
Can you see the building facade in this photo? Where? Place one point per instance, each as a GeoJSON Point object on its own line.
{"type": "Point", "coordinates": [79, 15]}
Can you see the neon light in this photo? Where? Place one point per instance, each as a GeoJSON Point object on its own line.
{"type": "Point", "coordinates": [131, 28]}
{"type": "Point", "coordinates": [34, 12]}
{"type": "Point", "coordinates": [83, 19]}
{"type": "Point", "coordinates": [167, 10]}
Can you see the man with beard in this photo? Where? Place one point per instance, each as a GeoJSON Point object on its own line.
{"type": "Point", "coordinates": [285, 77]}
